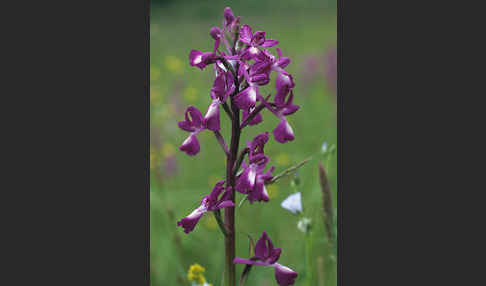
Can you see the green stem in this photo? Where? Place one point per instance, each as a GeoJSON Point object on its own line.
{"type": "Point", "coordinates": [217, 215]}
{"type": "Point", "coordinates": [288, 171]}
{"type": "Point", "coordinates": [308, 252]}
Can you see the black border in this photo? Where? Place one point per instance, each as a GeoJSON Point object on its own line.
{"type": "Point", "coordinates": [147, 138]}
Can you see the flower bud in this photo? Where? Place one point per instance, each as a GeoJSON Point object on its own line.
{"type": "Point", "coordinates": [304, 225]}
{"type": "Point", "coordinates": [228, 16]}
{"type": "Point", "coordinates": [215, 32]}
{"type": "Point", "coordinates": [324, 147]}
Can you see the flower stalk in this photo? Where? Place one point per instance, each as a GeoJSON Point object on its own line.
{"type": "Point", "coordinates": [240, 71]}
{"type": "Point", "coordinates": [229, 213]}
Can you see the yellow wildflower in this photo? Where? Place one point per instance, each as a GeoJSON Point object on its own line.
{"type": "Point", "coordinates": [195, 274]}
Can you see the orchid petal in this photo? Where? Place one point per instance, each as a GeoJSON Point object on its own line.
{"type": "Point", "coordinates": [246, 98]}
{"type": "Point", "coordinates": [211, 119]}
{"type": "Point", "coordinates": [225, 204]}
{"type": "Point", "coordinates": [269, 43]}
{"type": "Point", "coordinates": [283, 133]}
{"type": "Point", "coordinates": [189, 222]}
{"type": "Point", "coordinates": [284, 275]}
{"type": "Point", "coordinates": [247, 180]}
{"type": "Point", "coordinates": [259, 38]}
{"type": "Point", "coordinates": [245, 34]}
{"type": "Point", "coordinates": [191, 145]}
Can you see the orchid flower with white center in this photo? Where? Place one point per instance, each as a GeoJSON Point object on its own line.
{"type": "Point", "coordinates": [267, 255]}
{"type": "Point", "coordinates": [252, 180]}
{"type": "Point", "coordinates": [219, 93]}
{"type": "Point", "coordinates": [194, 125]}
{"type": "Point", "coordinates": [210, 202]}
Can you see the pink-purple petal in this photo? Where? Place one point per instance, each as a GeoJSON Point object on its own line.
{"type": "Point", "coordinates": [284, 275]}
{"type": "Point", "coordinates": [225, 204]}
{"type": "Point", "coordinates": [261, 246]}
{"type": "Point", "coordinates": [259, 193]}
{"type": "Point", "coordinates": [283, 62]}
{"type": "Point", "coordinates": [283, 133]}
{"type": "Point", "coordinates": [246, 98]}
{"type": "Point", "coordinates": [189, 222]}
{"type": "Point", "coordinates": [270, 43]}
{"type": "Point", "coordinates": [247, 180]}
{"type": "Point", "coordinates": [187, 126]}
{"type": "Point", "coordinates": [211, 120]}
{"type": "Point", "coordinates": [191, 145]}
{"type": "Point", "coordinates": [195, 116]}
{"type": "Point", "coordinates": [245, 34]}
{"type": "Point", "coordinates": [259, 38]}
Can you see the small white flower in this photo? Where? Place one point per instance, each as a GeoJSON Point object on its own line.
{"type": "Point", "coordinates": [304, 224]}
{"type": "Point", "coordinates": [293, 203]}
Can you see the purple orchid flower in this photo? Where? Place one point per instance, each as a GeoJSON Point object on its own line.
{"type": "Point", "coordinates": [193, 123]}
{"type": "Point", "coordinates": [219, 94]}
{"type": "Point", "coordinates": [265, 62]}
{"type": "Point", "coordinates": [284, 83]}
{"type": "Point", "coordinates": [200, 59]}
{"type": "Point", "coordinates": [252, 180]}
{"type": "Point", "coordinates": [247, 98]}
{"type": "Point", "coordinates": [254, 41]}
{"type": "Point", "coordinates": [267, 255]}
{"type": "Point", "coordinates": [217, 35]}
{"type": "Point", "coordinates": [283, 132]}
{"type": "Point", "coordinates": [257, 145]}
{"type": "Point", "coordinates": [210, 202]}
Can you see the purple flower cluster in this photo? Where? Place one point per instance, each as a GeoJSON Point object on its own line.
{"type": "Point", "coordinates": [241, 69]}
{"type": "Point", "coordinates": [252, 64]}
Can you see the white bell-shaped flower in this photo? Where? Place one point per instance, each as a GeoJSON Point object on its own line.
{"type": "Point", "coordinates": [293, 203]}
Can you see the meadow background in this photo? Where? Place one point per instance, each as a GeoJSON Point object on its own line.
{"type": "Point", "coordinates": [307, 32]}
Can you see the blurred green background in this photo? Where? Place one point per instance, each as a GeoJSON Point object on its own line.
{"type": "Point", "coordinates": [307, 34]}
